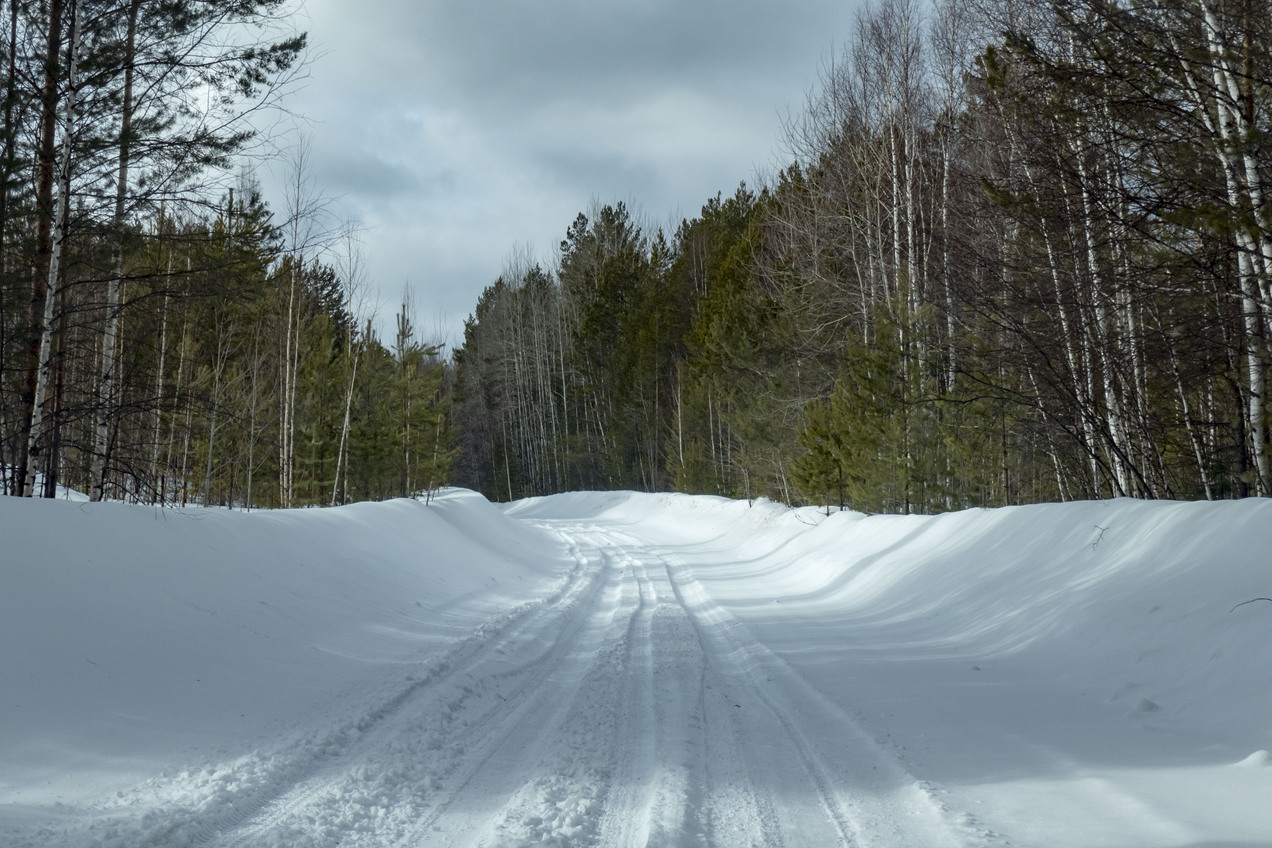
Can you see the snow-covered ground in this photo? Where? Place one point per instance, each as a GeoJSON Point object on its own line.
{"type": "Point", "coordinates": [630, 670]}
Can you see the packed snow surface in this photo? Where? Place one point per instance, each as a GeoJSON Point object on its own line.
{"type": "Point", "coordinates": [628, 670]}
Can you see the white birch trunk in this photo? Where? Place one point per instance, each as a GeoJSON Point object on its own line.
{"type": "Point", "coordinates": [1225, 131]}
{"type": "Point", "coordinates": [106, 385]}
{"type": "Point", "coordinates": [1112, 401]}
{"type": "Point", "coordinates": [45, 368]}
{"type": "Point", "coordinates": [348, 412]}
{"type": "Point", "coordinates": [156, 438]}
{"type": "Point", "coordinates": [291, 356]}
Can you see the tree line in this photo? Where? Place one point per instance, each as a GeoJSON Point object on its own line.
{"type": "Point", "coordinates": [1022, 252]}
{"type": "Point", "coordinates": [164, 336]}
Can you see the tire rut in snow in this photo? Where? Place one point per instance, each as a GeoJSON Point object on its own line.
{"type": "Point", "coordinates": [403, 777]}
{"type": "Point", "coordinates": [864, 792]}
{"type": "Point", "coordinates": [670, 760]}
{"type": "Point", "coordinates": [372, 772]}
{"type": "Point", "coordinates": [741, 750]}
{"type": "Point", "coordinates": [629, 764]}
{"type": "Point", "coordinates": [552, 772]}
{"type": "Point", "coordinates": [622, 759]}
{"type": "Point", "coordinates": [624, 709]}
{"type": "Point", "coordinates": [681, 777]}
{"type": "Point", "coordinates": [655, 797]}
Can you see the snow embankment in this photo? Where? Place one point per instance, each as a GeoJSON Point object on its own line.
{"type": "Point", "coordinates": [133, 637]}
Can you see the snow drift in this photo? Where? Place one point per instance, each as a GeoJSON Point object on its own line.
{"type": "Point", "coordinates": [1067, 675]}
{"type": "Point", "coordinates": [132, 637]}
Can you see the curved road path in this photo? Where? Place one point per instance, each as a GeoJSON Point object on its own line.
{"type": "Point", "coordinates": [624, 709]}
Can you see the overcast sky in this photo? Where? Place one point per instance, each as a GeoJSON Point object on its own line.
{"type": "Point", "coordinates": [457, 131]}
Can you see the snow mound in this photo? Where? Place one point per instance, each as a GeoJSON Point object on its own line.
{"type": "Point", "coordinates": [129, 635]}
{"type": "Point", "coordinates": [1258, 759]}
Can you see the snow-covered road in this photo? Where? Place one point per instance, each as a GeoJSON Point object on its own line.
{"type": "Point", "coordinates": [623, 670]}
{"type": "Point", "coordinates": [624, 709]}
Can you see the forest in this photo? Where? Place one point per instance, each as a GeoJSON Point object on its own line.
{"type": "Point", "coordinates": [166, 337]}
{"type": "Point", "coordinates": [1021, 251]}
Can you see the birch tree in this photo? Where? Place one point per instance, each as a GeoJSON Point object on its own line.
{"type": "Point", "coordinates": [58, 220]}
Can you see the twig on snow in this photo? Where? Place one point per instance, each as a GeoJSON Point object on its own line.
{"type": "Point", "coordinates": [1252, 600]}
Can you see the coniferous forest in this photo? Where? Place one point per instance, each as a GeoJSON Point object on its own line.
{"type": "Point", "coordinates": [166, 337]}
{"type": "Point", "coordinates": [1021, 251]}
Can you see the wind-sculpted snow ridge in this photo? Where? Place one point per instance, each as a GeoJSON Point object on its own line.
{"type": "Point", "coordinates": [615, 669]}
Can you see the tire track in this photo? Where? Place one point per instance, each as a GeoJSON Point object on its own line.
{"type": "Point", "coordinates": [393, 766]}
{"type": "Point", "coordinates": [843, 789]}
{"type": "Point", "coordinates": [866, 794]}
{"type": "Point", "coordinates": [624, 708]}
{"type": "Point", "coordinates": [633, 754]}
{"type": "Point", "coordinates": [548, 778]}
{"type": "Point", "coordinates": [207, 804]}
{"type": "Point", "coordinates": [679, 778]}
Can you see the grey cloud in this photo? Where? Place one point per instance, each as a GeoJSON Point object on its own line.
{"type": "Point", "coordinates": [603, 173]}
{"type": "Point", "coordinates": [460, 128]}
{"type": "Point", "coordinates": [369, 176]}
{"type": "Point", "coordinates": [561, 49]}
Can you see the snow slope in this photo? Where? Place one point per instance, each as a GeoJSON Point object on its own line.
{"type": "Point", "coordinates": [624, 669]}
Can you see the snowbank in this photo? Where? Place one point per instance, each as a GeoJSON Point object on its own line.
{"type": "Point", "coordinates": [1136, 598]}
{"type": "Point", "coordinates": [131, 637]}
